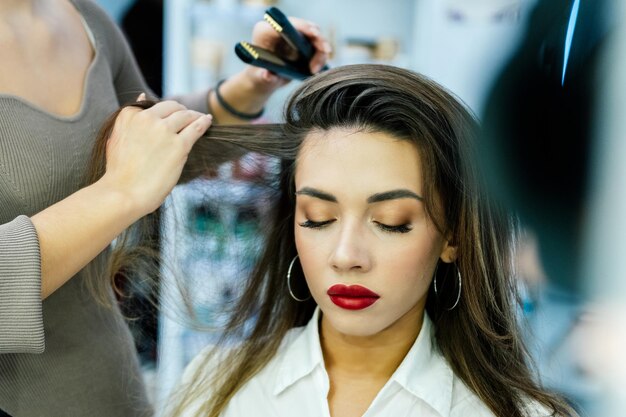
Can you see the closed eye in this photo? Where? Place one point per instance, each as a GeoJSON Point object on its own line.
{"type": "Point", "coordinates": [401, 228]}
{"type": "Point", "coordinates": [315, 225]}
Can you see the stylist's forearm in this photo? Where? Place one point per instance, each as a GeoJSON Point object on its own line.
{"type": "Point", "coordinates": [75, 230]}
{"type": "Point", "coordinates": [242, 93]}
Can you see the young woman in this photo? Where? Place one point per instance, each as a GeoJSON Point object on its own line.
{"type": "Point", "coordinates": [385, 287]}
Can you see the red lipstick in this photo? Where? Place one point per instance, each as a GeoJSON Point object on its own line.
{"type": "Point", "coordinates": [352, 297]}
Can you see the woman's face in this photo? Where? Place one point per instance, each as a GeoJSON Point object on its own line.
{"type": "Point", "coordinates": [367, 247]}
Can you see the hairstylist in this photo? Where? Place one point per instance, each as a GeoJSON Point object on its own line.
{"type": "Point", "coordinates": [64, 68]}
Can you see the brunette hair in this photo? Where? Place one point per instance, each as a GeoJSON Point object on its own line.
{"type": "Point", "coordinates": [479, 338]}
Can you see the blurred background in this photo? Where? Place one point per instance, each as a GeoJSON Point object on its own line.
{"type": "Point", "coordinates": [546, 79]}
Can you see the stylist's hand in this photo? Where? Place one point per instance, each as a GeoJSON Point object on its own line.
{"type": "Point", "coordinates": [264, 36]}
{"type": "Point", "coordinates": [148, 149]}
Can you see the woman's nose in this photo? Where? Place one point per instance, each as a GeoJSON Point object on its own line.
{"type": "Point", "coordinates": [351, 252]}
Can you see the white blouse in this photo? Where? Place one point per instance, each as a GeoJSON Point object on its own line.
{"type": "Point", "coordinates": [295, 383]}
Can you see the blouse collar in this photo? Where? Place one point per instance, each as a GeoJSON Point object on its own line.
{"type": "Point", "coordinates": [424, 372]}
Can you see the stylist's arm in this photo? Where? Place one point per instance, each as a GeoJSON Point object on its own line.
{"type": "Point", "coordinates": [145, 157]}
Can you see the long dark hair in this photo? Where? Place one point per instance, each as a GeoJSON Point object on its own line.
{"type": "Point", "coordinates": [479, 338]}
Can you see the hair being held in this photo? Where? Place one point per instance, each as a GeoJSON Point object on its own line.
{"type": "Point", "coordinates": [479, 338]}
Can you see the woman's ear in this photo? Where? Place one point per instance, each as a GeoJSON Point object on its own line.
{"type": "Point", "coordinates": [448, 253]}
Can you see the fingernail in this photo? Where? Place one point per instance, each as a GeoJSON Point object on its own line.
{"type": "Point", "coordinates": [141, 97]}
{"type": "Point", "coordinates": [327, 48]}
{"type": "Point", "coordinates": [315, 31]}
{"type": "Point", "coordinates": [316, 68]}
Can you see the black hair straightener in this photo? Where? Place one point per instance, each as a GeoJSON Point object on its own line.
{"type": "Point", "coordinates": [297, 68]}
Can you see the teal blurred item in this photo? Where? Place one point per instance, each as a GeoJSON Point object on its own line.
{"type": "Point", "coordinates": [212, 236]}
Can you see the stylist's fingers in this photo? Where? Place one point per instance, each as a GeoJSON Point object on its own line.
{"type": "Point", "coordinates": [319, 42]}
{"type": "Point", "coordinates": [178, 120]}
{"type": "Point", "coordinates": [147, 151]}
{"type": "Point", "coordinates": [164, 108]}
{"type": "Point", "coordinates": [194, 130]}
{"type": "Point", "coordinates": [264, 36]}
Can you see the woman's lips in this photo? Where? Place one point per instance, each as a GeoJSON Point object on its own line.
{"type": "Point", "coordinates": [352, 297]}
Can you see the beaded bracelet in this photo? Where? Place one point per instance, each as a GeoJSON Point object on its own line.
{"type": "Point", "coordinates": [233, 111]}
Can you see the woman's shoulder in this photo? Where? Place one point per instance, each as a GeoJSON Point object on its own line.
{"type": "Point", "coordinates": [203, 362]}
{"type": "Point", "coordinates": [213, 355]}
{"type": "Point", "coordinates": [290, 337]}
{"type": "Point", "coordinates": [466, 403]}
{"type": "Point", "coordinates": [269, 373]}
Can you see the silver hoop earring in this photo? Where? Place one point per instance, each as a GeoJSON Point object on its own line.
{"type": "Point", "coordinates": [435, 279]}
{"type": "Point", "coordinates": [289, 282]}
{"type": "Point", "coordinates": [458, 297]}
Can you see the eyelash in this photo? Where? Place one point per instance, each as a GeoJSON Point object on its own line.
{"type": "Point", "coordinates": [310, 224]}
{"type": "Point", "coordinates": [402, 228]}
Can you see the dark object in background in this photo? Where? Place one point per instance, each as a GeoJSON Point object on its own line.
{"type": "Point", "coordinates": [143, 26]}
{"type": "Point", "coordinates": [538, 129]}
{"type": "Point", "coordinates": [538, 140]}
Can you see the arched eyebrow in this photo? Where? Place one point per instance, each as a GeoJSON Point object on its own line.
{"type": "Point", "coordinates": [312, 192]}
{"type": "Point", "coordinates": [375, 198]}
{"type": "Point", "coordinates": [393, 195]}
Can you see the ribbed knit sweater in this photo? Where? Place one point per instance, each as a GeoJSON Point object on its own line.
{"type": "Point", "coordinates": [67, 356]}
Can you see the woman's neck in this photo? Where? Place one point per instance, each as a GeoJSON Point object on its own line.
{"type": "Point", "coordinates": [27, 12]}
{"type": "Point", "coordinates": [376, 356]}
{"type": "Point", "coordinates": [19, 6]}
